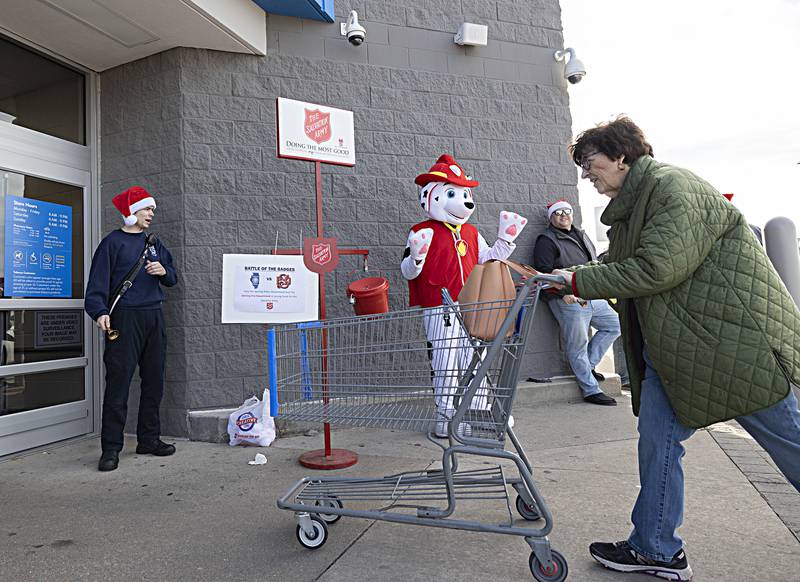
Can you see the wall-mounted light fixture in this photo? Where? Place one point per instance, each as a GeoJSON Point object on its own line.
{"type": "Point", "coordinates": [574, 70]}
{"type": "Point", "coordinates": [472, 34]}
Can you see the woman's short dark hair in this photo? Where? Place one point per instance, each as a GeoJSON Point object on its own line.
{"type": "Point", "coordinates": [621, 137]}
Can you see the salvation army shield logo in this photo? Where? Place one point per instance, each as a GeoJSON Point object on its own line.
{"type": "Point", "coordinates": [317, 125]}
{"type": "Point", "coordinates": [320, 255]}
{"type": "Point", "coordinates": [270, 305]}
{"type": "Point", "coordinates": [283, 281]}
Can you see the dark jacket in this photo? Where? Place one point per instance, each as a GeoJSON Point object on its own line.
{"type": "Point", "coordinates": [555, 249]}
{"type": "Point", "coordinates": [114, 257]}
{"type": "Point", "coordinates": [698, 290]}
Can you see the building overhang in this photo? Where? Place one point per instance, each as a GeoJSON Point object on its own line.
{"type": "Point", "coordinates": [313, 9]}
{"type": "Point", "coordinates": [100, 34]}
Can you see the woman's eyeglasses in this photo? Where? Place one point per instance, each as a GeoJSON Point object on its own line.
{"type": "Point", "coordinates": [563, 212]}
{"type": "Point", "coordinates": [586, 162]}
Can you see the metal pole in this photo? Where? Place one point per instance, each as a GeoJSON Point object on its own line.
{"type": "Point", "coordinates": [780, 238]}
{"type": "Point", "coordinates": [327, 458]}
{"type": "Point", "coordinates": [322, 313]}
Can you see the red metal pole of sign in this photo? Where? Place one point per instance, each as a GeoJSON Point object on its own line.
{"type": "Point", "coordinates": [327, 458]}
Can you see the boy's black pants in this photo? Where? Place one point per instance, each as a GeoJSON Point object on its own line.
{"type": "Point", "coordinates": [143, 342]}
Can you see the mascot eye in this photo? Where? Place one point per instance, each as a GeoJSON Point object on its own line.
{"type": "Point", "coordinates": [451, 193]}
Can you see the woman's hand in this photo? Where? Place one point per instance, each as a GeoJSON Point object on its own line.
{"type": "Point", "coordinates": [566, 275]}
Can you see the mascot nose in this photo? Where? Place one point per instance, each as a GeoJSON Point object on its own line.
{"type": "Point", "coordinates": [469, 205]}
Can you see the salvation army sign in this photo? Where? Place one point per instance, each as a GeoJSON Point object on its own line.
{"type": "Point", "coordinates": [320, 255]}
{"type": "Point", "coordinates": [307, 131]}
{"type": "Point", "coordinates": [318, 125]}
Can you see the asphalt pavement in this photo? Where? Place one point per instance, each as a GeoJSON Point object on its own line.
{"type": "Point", "coordinates": [206, 514]}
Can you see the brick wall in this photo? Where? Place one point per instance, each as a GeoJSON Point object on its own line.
{"type": "Point", "coordinates": [198, 127]}
{"type": "Point", "coordinates": [141, 143]}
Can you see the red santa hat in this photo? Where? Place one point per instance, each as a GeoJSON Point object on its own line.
{"type": "Point", "coordinates": [132, 200]}
{"type": "Point", "coordinates": [557, 205]}
{"type": "Point", "coordinates": [446, 170]}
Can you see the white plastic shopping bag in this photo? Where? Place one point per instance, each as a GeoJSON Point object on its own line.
{"type": "Point", "coordinates": [251, 424]}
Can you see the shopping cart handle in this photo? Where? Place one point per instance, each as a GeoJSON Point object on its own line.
{"type": "Point", "coordinates": [557, 279]}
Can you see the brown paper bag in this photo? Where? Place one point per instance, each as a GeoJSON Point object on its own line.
{"type": "Point", "coordinates": [489, 282]}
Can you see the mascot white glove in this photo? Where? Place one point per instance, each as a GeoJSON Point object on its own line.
{"type": "Point", "coordinates": [511, 225]}
{"type": "Point", "coordinates": [419, 243]}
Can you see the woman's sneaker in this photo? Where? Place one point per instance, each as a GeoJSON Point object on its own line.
{"type": "Point", "coordinates": [620, 556]}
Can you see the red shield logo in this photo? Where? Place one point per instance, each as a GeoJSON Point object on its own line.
{"type": "Point", "coordinates": [270, 305]}
{"type": "Point", "coordinates": [317, 125]}
{"type": "Point", "coordinates": [283, 281]}
{"type": "Point", "coordinates": [320, 255]}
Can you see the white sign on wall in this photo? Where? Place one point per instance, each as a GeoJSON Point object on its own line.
{"type": "Point", "coordinates": [268, 289]}
{"type": "Point", "coordinates": [307, 131]}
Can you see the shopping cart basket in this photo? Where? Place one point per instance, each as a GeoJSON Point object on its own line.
{"type": "Point", "coordinates": [375, 371]}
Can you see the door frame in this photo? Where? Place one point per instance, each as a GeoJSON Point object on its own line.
{"type": "Point", "coordinates": [32, 153]}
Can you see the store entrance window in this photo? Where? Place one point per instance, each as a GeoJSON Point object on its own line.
{"type": "Point", "coordinates": [41, 94]}
{"type": "Point", "coordinates": [47, 358]}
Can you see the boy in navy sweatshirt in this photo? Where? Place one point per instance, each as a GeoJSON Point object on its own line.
{"type": "Point", "coordinates": [137, 317]}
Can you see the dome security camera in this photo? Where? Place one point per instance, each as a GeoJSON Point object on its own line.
{"type": "Point", "coordinates": [354, 32]}
{"type": "Point", "coordinates": [574, 70]}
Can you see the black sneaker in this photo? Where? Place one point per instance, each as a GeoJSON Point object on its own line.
{"type": "Point", "coordinates": [109, 461]}
{"type": "Point", "coordinates": [620, 556]}
{"type": "Point", "coordinates": [598, 376]}
{"type": "Point", "coordinates": [600, 398]}
{"type": "Point", "coordinates": [157, 447]}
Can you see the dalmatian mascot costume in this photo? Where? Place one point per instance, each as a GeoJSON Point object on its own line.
{"type": "Point", "coordinates": [440, 253]}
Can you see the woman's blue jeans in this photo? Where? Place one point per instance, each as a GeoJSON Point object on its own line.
{"type": "Point", "coordinates": [658, 511]}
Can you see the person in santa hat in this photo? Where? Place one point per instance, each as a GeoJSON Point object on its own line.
{"type": "Point", "coordinates": [441, 253]}
{"type": "Point", "coordinates": [138, 319]}
{"type": "Point", "coordinates": [561, 246]}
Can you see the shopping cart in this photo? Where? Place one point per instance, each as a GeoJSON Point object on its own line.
{"type": "Point", "coordinates": [375, 371]}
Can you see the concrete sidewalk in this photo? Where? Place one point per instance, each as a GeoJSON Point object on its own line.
{"type": "Point", "coordinates": [205, 514]}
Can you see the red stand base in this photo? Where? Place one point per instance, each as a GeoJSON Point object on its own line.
{"type": "Point", "coordinates": [338, 459]}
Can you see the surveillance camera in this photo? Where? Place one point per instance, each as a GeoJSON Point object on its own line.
{"type": "Point", "coordinates": [354, 32]}
{"type": "Point", "coordinates": [574, 70]}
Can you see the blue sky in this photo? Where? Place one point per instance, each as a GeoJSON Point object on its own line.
{"type": "Point", "coordinates": [715, 85]}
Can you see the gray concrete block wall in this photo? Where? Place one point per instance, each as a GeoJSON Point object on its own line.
{"type": "Point", "coordinates": [502, 110]}
{"type": "Point", "coordinates": [141, 143]}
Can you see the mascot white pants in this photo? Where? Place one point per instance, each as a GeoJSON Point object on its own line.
{"type": "Point", "coordinates": [451, 355]}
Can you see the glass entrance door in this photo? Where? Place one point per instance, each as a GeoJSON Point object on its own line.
{"type": "Point", "coordinates": [47, 226]}
{"type": "Point", "coordinates": [45, 391]}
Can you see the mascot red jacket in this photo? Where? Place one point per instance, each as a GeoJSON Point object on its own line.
{"type": "Point", "coordinates": [441, 251]}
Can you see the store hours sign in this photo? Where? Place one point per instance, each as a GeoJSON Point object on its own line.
{"type": "Point", "coordinates": [38, 253]}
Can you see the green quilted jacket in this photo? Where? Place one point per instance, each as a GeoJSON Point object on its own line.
{"type": "Point", "coordinates": [696, 288]}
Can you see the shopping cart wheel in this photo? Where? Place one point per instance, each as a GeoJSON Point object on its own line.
{"type": "Point", "coordinates": [328, 518]}
{"type": "Point", "coordinates": [318, 539]}
{"type": "Point", "coordinates": [555, 573]}
{"type": "Point", "coordinates": [529, 512]}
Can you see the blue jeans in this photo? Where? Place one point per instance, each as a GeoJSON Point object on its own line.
{"type": "Point", "coordinates": [584, 354]}
{"type": "Point", "coordinates": [658, 511]}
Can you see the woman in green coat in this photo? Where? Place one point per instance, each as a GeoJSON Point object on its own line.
{"type": "Point", "coordinates": [710, 331]}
